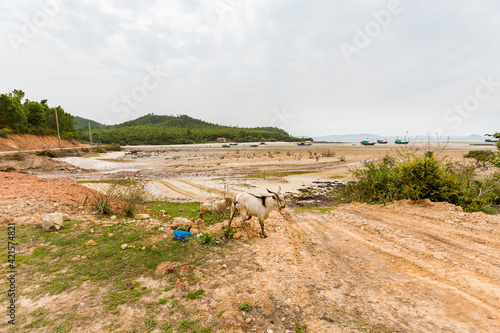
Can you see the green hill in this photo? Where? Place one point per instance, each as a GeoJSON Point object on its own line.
{"type": "Point", "coordinates": [161, 129]}
{"type": "Point", "coordinates": [84, 123]}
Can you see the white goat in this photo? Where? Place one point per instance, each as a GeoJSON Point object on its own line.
{"type": "Point", "coordinates": [217, 207]}
{"type": "Point", "coordinates": [249, 205]}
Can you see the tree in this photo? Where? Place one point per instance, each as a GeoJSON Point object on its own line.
{"type": "Point", "coordinates": [17, 94]}
{"type": "Point", "coordinates": [11, 112]}
{"type": "Point", "coordinates": [35, 113]}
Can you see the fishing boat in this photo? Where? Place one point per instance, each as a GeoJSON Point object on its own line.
{"type": "Point", "coordinates": [367, 143]}
{"type": "Point", "coordinates": [491, 140]}
{"type": "Point", "coordinates": [401, 142]}
{"type": "Point", "coordinates": [382, 141]}
{"type": "Point", "coordinates": [307, 143]}
{"type": "Point", "coordinates": [233, 143]}
{"type": "Point", "coordinates": [254, 145]}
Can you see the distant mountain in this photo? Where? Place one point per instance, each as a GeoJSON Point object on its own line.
{"type": "Point", "coordinates": [364, 136]}
{"type": "Point", "coordinates": [84, 123]}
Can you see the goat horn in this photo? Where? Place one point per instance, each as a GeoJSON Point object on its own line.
{"type": "Point", "coordinates": [270, 191]}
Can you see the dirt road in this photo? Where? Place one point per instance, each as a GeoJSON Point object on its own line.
{"type": "Point", "coordinates": [425, 267]}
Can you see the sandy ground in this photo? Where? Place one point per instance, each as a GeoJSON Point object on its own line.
{"type": "Point", "coordinates": [405, 267]}
{"type": "Point", "coordinates": [207, 171]}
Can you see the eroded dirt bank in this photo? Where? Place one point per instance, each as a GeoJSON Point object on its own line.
{"type": "Point", "coordinates": [15, 142]}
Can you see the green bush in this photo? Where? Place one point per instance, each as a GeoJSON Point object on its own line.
{"type": "Point", "coordinates": [422, 177]}
{"type": "Point", "coordinates": [4, 132]}
{"type": "Point", "coordinates": [115, 147]}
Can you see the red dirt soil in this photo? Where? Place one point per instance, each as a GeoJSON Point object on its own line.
{"type": "Point", "coordinates": [16, 185]}
{"type": "Point", "coordinates": [15, 142]}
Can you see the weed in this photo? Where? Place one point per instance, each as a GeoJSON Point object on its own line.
{"type": "Point", "coordinates": [185, 325]}
{"type": "Point", "coordinates": [196, 294]}
{"type": "Point", "coordinates": [166, 327]}
{"type": "Point", "coordinates": [207, 238]}
{"type": "Point", "coordinates": [227, 233]}
{"type": "Point", "coordinates": [245, 307]}
{"type": "Point", "coordinates": [162, 301]}
{"type": "Point", "coordinates": [220, 313]}
{"type": "Point", "coordinates": [300, 328]}
{"type": "Point", "coordinates": [150, 322]}
{"type": "Point", "coordinates": [128, 211]}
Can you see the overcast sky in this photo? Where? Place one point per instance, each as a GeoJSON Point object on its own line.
{"type": "Point", "coordinates": [310, 67]}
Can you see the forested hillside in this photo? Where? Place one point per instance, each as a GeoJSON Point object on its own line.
{"type": "Point", "coordinates": [84, 122]}
{"type": "Point", "coordinates": [156, 129]}
{"type": "Point", "coordinates": [19, 115]}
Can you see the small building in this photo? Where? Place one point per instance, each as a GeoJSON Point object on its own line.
{"type": "Point", "coordinates": [221, 140]}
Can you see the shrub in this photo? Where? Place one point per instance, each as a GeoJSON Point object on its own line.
{"type": "Point", "coordinates": [100, 151]}
{"type": "Point", "coordinates": [4, 132]}
{"type": "Point", "coordinates": [115, 147]}
{"type": "Point", "coordinates": [423, 177]}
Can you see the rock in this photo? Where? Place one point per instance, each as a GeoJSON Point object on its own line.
{"type": "Point", "coordinates": [154, 247]}
{"type": "Point", "coordinates": [224, 266]}
{"type": "Point", "coordinates": [179, 221]}
{"type": "Point", "coordinates": [66, 217]}
{"type": "Point", "coordinates": [248, 320]}
{"type": "Point", "coordinates": [81, 207]}
{"type": "Point", "coordinates": [269, 330]}
{"type": "Point", "coordinates": [213, 304]}
{"type": "Point", "coordinates": [143, 248]}
{"type": "Point", "coordinates": [110, 234]}
{"type": "Point", "coordinates": [141, 216]}
{"type": "Point", "coordinates": [124, 246]}
{"type": "Point", "coordinates": [52, 221]}
{"type": "Point", "coordinates": [112, 218]}
{"type": "Point", "coordinates": [232, 321]}
{"type": "Point", "coordinates": [237, 235]}
{"type": "Point", "coordinates": [91, 243]}
{"type": "Point", "coordinates": [198, 226]}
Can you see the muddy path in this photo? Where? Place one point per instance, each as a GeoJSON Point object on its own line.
{"type": "Point", "coordinates": [402, 268]}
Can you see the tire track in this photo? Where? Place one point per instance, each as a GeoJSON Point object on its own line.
{"type": "Point", "coordinates": [427, 268]}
